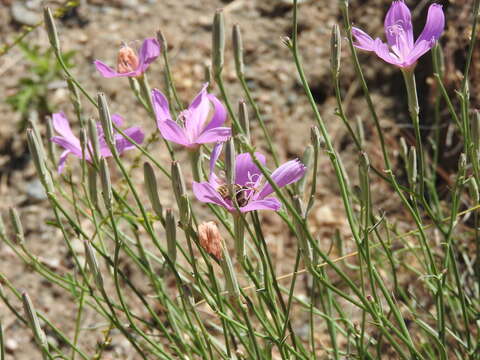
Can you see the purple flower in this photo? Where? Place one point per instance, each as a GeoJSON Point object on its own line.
{"type": "Point", "coordinates": [400, 50]}
{"type": "Point", "coordinates": [71, 143]}
{"type": "Point", "coordinates": [250, 189]}
{"type": "Point", "coordinates": [128, 63]}
{"type": "Point", "coordinates": [194, 128]}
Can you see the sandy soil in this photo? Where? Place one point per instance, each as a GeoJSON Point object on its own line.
{"type": "Point", "coordinates": [271, 74]}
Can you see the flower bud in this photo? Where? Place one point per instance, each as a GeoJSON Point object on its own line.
{"type": "Point", "coordinates": [3, 233]}
{"type": "Point", "coordinates": [17, 225]}
{"type": "Point", "coordinates": [412, 166]}
{"type": "Point", "coordinates": [307, 159]}
{"type": "Point", "coordinates": [84, 142]}
{"type": "Point", "coordinates": [171, 231]}
{"type": "Point", "coordinates": [218, 42]}
{"type": "Point", "coordinates": [335, 50]}
{"type": "Point", "coordinates": [38, 156]}
{"type": "Point", "coordinates": [93, 264]}
{"type": "Point", "coordinates": [303, 244]}
{"type": "Point", "coordinates": [106, 183]}
{"type": "Point", "coordinates": [230, 162]}
{"type": "Point", "coordinates": [127, 60]}
{"type": "Point", "coordinates": [360, 131]}
{"type": "Point", "coordinates": [243, 118]}
{"type": "Point", "coordinates": [33, 321]}
{"type": "Point", "coordinates": [51, 29]}
{"type": "Point", "coordinates": [51, 146]}
{"type": "Point", "coordinates": [473, 190]}
{"type": "Point", "coordinates": [92, 186]}
{"type": "Point", "coordinates": [238, 49]}
{"type": "Point", "coordinates": [162, 40]}
{"type": "Point", "coordinates": [94, 141]}
{"type": "Point", "coordinates": [316, 138]}
{"type": "Point", "coordinates": [152, 190]}
{"type": "Point", "coordinates": [180, 191]}
{"type": "Point", "coordinates": [106, 121]}
{"type": "Point", "coordinates": [210, 239]}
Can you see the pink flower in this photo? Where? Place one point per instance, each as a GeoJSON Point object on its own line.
{"type": "Point", "coordinates": [72, 145]}
{"type": "Point", "coordinates": [128, 63]}
{"type": "Point", "coordinates": [193, 127]}
{"type": "Point", "coordinates": [250, 189]}
{"type": "Point", "coordinates": [400, 50]}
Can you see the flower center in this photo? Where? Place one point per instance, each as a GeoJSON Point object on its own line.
{"type": "Point", "coordinates": [127, 60]}
{"type": "Point", "coordinates": [401, 47]}
{"type": "Point", "coordinates": [242, 193]}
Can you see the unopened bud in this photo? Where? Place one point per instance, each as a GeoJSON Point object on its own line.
{"type": "Point", "coordinates": [51, 29]}
{"type": "Point", "coordinates": [92, 185]}
{"type": "Point", "coordinates": [360, 130]}
{"type": "Point", "coordinates": [243, 118]}
{"type": "Point", "coordinates": [180, 191]}
{"type": "Point", "coordinates": [152, 190]}
{"type": "Point", "coordinates": [412, 166]}
{"type": "Point", "coordinates": [439, 59]}
{"type": "Point", "coordinates": [17, 226]}
{"type": "Point", "coordinates": [316, 138]}
{"type": "Point", "coordinates": [37, 152]}
{"type": "Point", "coordinates": [218, 42]}
{"type": "Point", "coordinates": [84, 142]}
{"type": "Point", "coordinates": [106, 121]}
{"type": "Point", "coordinates": [106, 183]}
{"type": "Point", "coordinates": [51, 146]}
{"type": "Point", "coordinates": [127, 60]}
{"type": "Point", "coordinates": [94, 141]}
{"type": "Point", "coordinates": [230, 162]}
{"type": "Point", "coordinates": [93, 264]}
{"type": "Point", "coordinates": [476, 130]}
{"type": "Point", "coordinates": [162, 40]}
{"type": "Point", "coordinates": [335, 50]}
{"type": "Point", "coordinates": [210, 239]}
{"type": "Point", "coordinates": [473, 190]}
{"type": "Point", "coordinates": [171, 231]}
{"type": "Point", "coordinates": [33, 321]}
{"type": "Point", "coordinates": [307, 159]}
{"type": "Point", "coordinates": [238, 49]}
{"type": "Point", "coordinates": [404, 149]}
{"type": "Point", "coordinates": [3, 233]}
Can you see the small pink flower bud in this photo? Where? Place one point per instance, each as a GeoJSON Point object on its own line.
{"type": "Point", "coordinates": [127, 60]}
{"type": "Point", "coordinates": [210, 239]}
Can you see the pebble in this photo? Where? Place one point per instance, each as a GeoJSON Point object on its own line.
{"type": "Point", "coordinates": [11, 345]}
{"type": "Point", "coordinates": [22, 14]}
{"type": "Point", "coordinates": [35, 190]}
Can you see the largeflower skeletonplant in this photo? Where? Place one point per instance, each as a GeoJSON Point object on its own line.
{"type": "Point", "coordinates": [129, 64]}
{"type": "Point", "coordinates": [71, 143]}
{"type": "Point", "coordinates": [193, 127]}
{"type": "Point", "coordinates": [251, 190]}
{"type": "Point", "coordinates": [400, 49]}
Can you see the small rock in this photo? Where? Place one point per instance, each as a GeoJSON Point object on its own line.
{"type": "Point", "coordinates": [23, 15]}
{"type": "Point", "coordinates": [35, 190]}
{"type": "Point", "coordinates": [11, 345]}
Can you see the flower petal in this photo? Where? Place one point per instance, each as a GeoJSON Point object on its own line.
{"type": "Point", "coordinates": [287, 173]}
{"type": "Point", "coordinates": [160, 106]}
{"type": "Point", "coordinates": [434, 25]}
{"type": "Point", "coordinates": [264, 204]}
{"type": "Point", "coordinates": [107, 72]}
{"type": "Point", "coordinates": [62, 126]}
{"type": "Point", "coordinates": [419, 49]}
{"type": "Point", "coordinates": [74, 148]}
{"type": "Point", "coordinates": [123, 144]}
{"type": "Point", "coordinates": [206, 193]}
{"type": "Point", "coordinates": [149, 51]}
{"type": "Point", "coordinates": [219, 115]}
{"type": "Point", "coordinates": [197, 113]}
{"type": "Point", "coordinates": [245, 169]}
{"type": "Point", "coordinates": [398, 26]}
{"type": "Point", "coordinates": [363, 40]}
{"type": "Point", "coordinates": [219, 134]}
{"type": "Point", "coordinates": [117, 120]}
{"type": "Point", "coordinates": [212, 178]}
{"type": "Point", "coordinates": [383, 52]}
{"type": "Point", "coordinates": [61, 161]}
{"type": "Point", "coordinates": [172, 132]}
